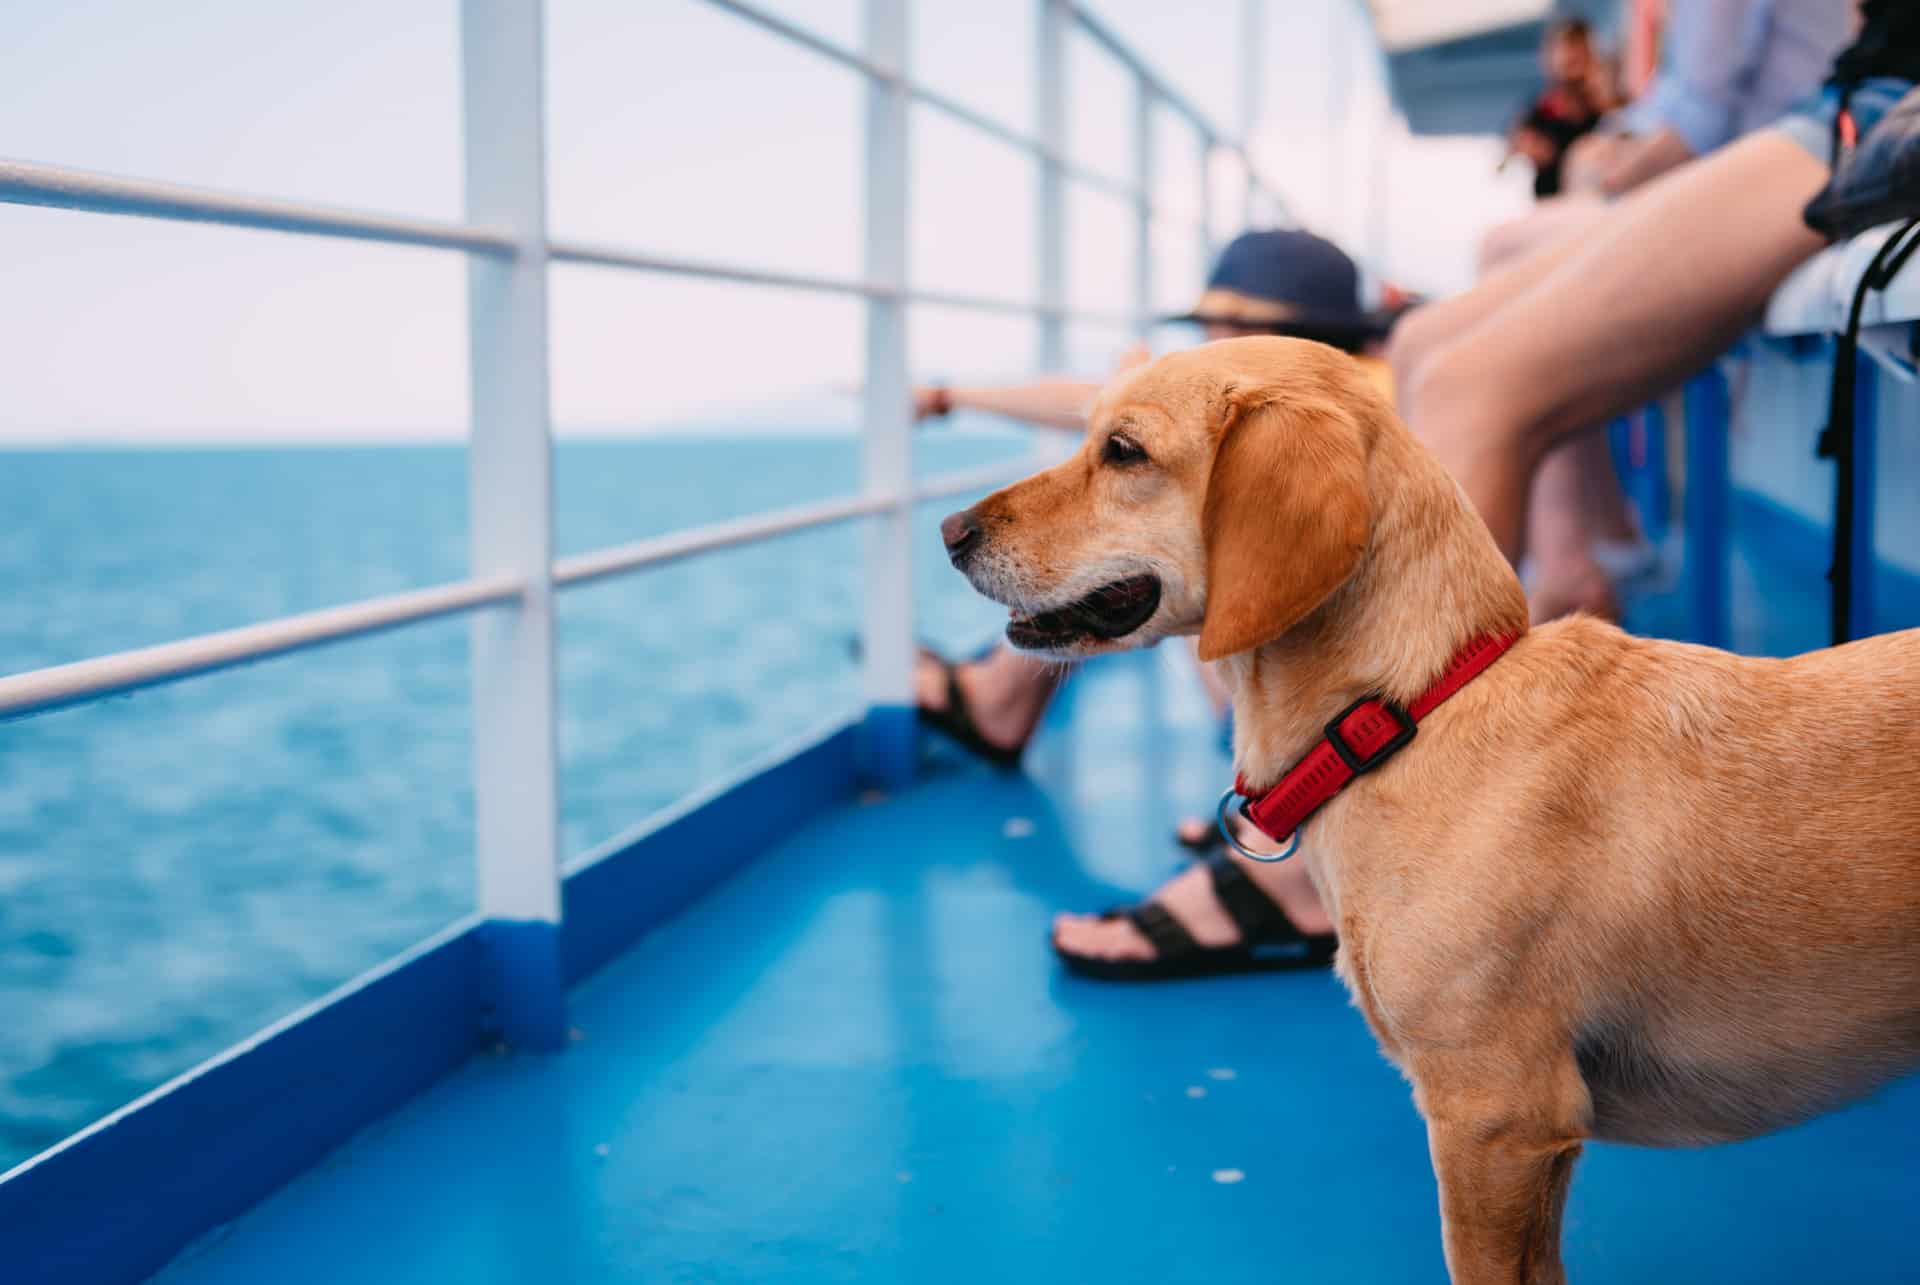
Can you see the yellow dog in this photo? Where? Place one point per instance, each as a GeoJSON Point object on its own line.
{"type": "Point", "coordinates": [1613, 888]}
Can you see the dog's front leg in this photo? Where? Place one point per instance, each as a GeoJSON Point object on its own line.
{"type": "Point", "coordinates": [1503, 1149]}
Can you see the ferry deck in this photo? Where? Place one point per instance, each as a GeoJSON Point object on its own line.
{"type": "Point", "coordinates": [806, 1025]}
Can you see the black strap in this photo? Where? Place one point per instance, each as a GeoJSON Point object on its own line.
{"type": "Point", "coordinates": [1837, 441]}
{"type": "Point", "coordinates": [1259, 918]}
{"type": "Point", "coordinates": [1170, 940]}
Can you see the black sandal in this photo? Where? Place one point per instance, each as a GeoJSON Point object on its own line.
{"type": "Point", "coordinates": [1269, 942]}
{"type": "Point", "coordinates": [956, 721]}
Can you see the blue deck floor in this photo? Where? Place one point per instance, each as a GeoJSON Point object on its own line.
{"type": "Point", "coordinates": [857, 1061]}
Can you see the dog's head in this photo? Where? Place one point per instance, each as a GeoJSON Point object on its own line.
{"type": "Point", "coordinates": [1221, 490]}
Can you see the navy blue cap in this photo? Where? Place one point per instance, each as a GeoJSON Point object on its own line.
{"type": "Point", "coordinates": [1288, 280]}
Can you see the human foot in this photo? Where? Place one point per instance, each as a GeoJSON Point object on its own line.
{"type": "Point", "coordinates": [1565, 588]}
{"type": "Point", "coordinates": [1205, 904]}
{"type": "Point", "coordinates": [979, 703]}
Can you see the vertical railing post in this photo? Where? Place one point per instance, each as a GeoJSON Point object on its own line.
{"type": "Point", "coordinates": [1143, 100]}
{"type": "Point", "coordinates": [1380, 179]}
{"type": "Point", "coordinates": [510, 485]}
{"type": "Point", "coordinates": [1334, 219]}
{"type": "Point", "coordinates": [1252, 29]}
{"type": "Point", "coordinates": [888, 733]}
{"type": "Point", "coordinates": [1206, 202]}
{"type": "Point", "coordinates": [1052, 21]}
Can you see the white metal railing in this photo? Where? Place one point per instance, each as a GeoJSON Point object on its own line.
{"type": "Point", "coordinates": [59, 685]}
{"type": "Point", "coordinates": [510, 446]}
{"type": "Point", "coordinates": [606, 256]}
{"type": "Point", "coordinates": [661, 549]}
{"type": "Point", "coordinates": [58, 187]}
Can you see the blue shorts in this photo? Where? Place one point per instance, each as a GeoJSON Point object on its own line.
{"type": "Point", "coordinates": [1810, 122]}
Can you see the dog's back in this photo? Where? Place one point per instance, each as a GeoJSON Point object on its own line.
{"type": "Point", "coordinates": [1753, 906]}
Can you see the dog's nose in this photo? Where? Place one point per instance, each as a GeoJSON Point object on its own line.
{"type": "Point", "coordinates": [962, 535]}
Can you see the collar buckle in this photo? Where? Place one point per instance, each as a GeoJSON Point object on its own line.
{"type": "Point", "coordinates": [1361, 763]}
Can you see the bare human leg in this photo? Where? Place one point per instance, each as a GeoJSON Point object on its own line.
{"type": "Point", "coordinates": [1667, 280]}
{"type": "Point", "coordinates": [1433, 326]}
{"type": "Point", "coordinates": [1553, 219]}
{"type": "Point", "coordinates": [1006, 692]}
{"type": "Point", "coordinates": [1576, 501]}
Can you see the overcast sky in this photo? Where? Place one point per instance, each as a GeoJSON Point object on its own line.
{"type": "Point", "coordinates": [673, 127]}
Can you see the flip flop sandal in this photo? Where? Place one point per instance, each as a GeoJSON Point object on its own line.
{"type": "Point", "coordinates": [956, 721]}
{"type": "Point", "coordinates": [1269, 942]}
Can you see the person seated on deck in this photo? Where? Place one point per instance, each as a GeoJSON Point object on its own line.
{"type": "Point", "coordinates": [1550, 347]}
{"type": "Point", "coordinates": [1731, 66]}
{"type": "Point", "coordinates": [1283, 281]}
{"type": "Point", "coordinates": [1565, 110]}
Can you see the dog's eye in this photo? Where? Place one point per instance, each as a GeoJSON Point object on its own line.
{"type": "Point", "coordinates": [1122, 450]}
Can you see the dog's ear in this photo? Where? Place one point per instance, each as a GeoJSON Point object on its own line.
{"type": "Point", "coordinates": [1285, 520]}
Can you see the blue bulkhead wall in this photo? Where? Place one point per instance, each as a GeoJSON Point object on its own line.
{"type": "Point", "coordinates": [1783, 494]}
{"type": "Point", "coordinates": [116, 1202]}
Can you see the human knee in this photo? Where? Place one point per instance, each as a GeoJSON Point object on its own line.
{"type": "Point", "coordinates": [1500, 245]}
{"type": "Point", "coordinates": [1414, 339]}
{"type": "Point", "coordinates": [1441, 386]}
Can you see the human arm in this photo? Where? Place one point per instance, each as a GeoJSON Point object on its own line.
{"type": "Point", "coordinates": [1611, 164]}
{"type": "Point", "coordinates": [1052, 402]}
{"type": "Point", "coordinates": [1714, 60]}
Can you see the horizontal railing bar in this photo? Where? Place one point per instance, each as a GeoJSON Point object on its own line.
{"type": "Point", "coordinates": [655, 550]}
{"type": "Point", "coordinates": [40, 690]}
{"type": "Point", "coordinates": [977, 119]}
{"type": "Point", "coordinates": [608, 256]}
{"type": "Point", "coordinates": [986, 476]}
{"type": "Point", "coordinates": [1093, 26]}
{"type": "Point", "coordinates": [1021, 141]}
{"type": "Point", "coordinates": [1158, 88]}
{"type": "Point", "coordinates": [799, 35]}
{"type": "Point", "coordinates": [1016, 307]}
{"type": "Point", "coordinates": [953, 107]}
{"type": "Point", "coordinates": [582, 568]}
{"type": "Point", "coordinates": [59, 187]}
{"type": "Point", "coordinates": [975, 302]}
{"type": "Point", "coordinates": [1117, 187]}
{"type": "Point", "coordinates": [1101, 317]}
{"type": "Point", "coordinates": [1122, 53]}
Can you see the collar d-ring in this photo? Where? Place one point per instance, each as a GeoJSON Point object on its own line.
{"type": "Point", "coordinates": [1226, 832]}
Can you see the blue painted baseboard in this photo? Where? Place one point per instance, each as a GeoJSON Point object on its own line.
{"type": "Point", "coordinates": [115, 1202]}
{"type": "Point", "coordinates": [886, 746]}
{"type": "Point", "coordinates": [524, 987]}
{"type": "Point", "coordinates": [616, 893]}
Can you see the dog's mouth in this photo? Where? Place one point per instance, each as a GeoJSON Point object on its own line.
{"type": "Point", "coordinates": [1109, 612]}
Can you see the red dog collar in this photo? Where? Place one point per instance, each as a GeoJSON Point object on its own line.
{"type": "Point", "coordinates": [1360, 738]}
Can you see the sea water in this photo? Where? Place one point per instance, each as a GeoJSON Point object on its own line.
{"type": "Point", "coordinates": [181, 866]}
